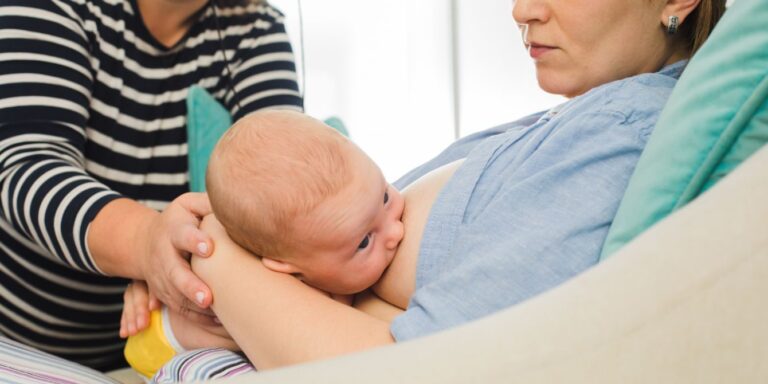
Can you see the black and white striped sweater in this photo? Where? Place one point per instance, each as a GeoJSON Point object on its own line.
{"type": "Point", "coordinates": [92, 108]}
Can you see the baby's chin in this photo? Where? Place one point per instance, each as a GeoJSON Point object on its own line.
{"type": "Point", "coordinates": [380, 279]}
{"type": "Point", "coordinates": [337, 290]}
{"type": "Point", "coordinates": [360, 288]}
{"type": "Point", "coordinates": [373, 281]}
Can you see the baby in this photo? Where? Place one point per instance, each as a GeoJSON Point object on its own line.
{"type": "Point", "coordinates": [306, 200]}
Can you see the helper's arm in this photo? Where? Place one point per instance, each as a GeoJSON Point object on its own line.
{"type": "Point", "coordinates": [47, 198]}
{"type": "Point", "coordinates": [282, 321]}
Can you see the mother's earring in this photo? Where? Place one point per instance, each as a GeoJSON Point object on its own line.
{"type": "Point", "coordinates": [672, 26]}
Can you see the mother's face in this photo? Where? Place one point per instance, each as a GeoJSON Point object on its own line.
{"type": "Point", "coordinates": [579, 44]}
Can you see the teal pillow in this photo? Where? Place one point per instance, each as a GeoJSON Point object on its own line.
{"type": "Point", "coordinates": [716, 117]}
{"type": "Point", "coordinates": [207, 120]}
{"type": "Point", "coordinates": [336, 123]}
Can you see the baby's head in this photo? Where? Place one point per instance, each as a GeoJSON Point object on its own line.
{"type": "Point", "coordinates": [307, 200]}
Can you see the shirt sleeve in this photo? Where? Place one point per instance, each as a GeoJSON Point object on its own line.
{"type": "Point", "coordinates": [265, 72]}
{"type": "Point", "coordinates": [537, 217]}
{"type": "Point", "coordinates": [45, 193]}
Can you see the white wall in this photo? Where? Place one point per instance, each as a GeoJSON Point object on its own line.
{"type": "Point", "coordinates": [497, 82]}
{"type": "Point", "coordinates": [386, 68]}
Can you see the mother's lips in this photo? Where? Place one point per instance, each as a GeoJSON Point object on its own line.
{"type": "Point", "coordinates": [538, 50]}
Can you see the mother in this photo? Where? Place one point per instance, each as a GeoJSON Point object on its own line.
{"type": "Point", "coordinates": [527, 208]}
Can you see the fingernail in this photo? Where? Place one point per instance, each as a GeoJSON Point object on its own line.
{"type": "Point", "coordinates": [200, 296]}
{"type": "Point", "coordinates": [202, 248]}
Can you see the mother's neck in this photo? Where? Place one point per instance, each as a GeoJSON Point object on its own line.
{"type": "Point", "coordinates": [169, 20]}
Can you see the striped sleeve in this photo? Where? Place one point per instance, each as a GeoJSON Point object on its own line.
{"type": "Point", "coordinates": [203, 365]}
{"type": "Point", "coordinates": [21, 364]}
{"type": "Point", "coordinates": [45, 91]}
{"type": "Point", "coordinates": [264, 70]}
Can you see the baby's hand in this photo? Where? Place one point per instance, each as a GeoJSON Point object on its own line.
{"type": "Point", "coordinates": [137, 303]}
{"type": "Point", "coordinates": [193, 335]}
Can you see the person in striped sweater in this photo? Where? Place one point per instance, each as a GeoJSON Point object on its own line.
{"type": "Point", "coordinates": [93, 155]}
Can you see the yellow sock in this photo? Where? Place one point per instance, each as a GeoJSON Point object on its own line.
{"type": "Point", "coordinates": [148, 350]}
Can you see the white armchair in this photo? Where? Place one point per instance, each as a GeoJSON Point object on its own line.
{"type": "Point", "coordinates": [684, 302]}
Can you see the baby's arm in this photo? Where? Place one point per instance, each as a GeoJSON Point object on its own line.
{"type": "Point", "coordinates": [370, 303]}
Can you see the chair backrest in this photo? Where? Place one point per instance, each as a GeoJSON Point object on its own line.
{"type": "Point", "coordinates": [716, 117]}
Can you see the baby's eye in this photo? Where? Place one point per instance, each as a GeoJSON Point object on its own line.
{"type": "Point", "coordinates": [364, 244]}
{"type": "Point", "coordinates": [386, 197]}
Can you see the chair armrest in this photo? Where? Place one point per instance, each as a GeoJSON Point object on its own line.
{"type": "Point", "coordinates": [684, 302]}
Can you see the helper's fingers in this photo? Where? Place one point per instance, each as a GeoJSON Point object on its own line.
{"type": "Point", "coordinates": [195, 202]}
{"type": "Point", "coordinates": [190, 239]}
{"type": "Point", "coordinates": [190, 285]}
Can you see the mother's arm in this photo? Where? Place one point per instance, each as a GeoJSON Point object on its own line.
{"type": "Point", "coordinates": [281, 321]}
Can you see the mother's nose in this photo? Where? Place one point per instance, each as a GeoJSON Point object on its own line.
{"type": "Point", "coordinates": [528, 11]}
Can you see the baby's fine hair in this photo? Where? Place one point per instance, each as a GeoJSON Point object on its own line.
{"type": "Point", "coordinates": [270, 168]}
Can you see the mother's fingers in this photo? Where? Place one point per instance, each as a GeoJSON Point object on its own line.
{"type": "Point", "coordinates": [140, 305]}
{"type": "Point", "coordinates": [127, 319]}
{"type": "Point", "coordinates": [124, 315]}
{"type": "Point", "coordinates": [154, 302]}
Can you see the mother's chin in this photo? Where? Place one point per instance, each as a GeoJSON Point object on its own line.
{"type": "Point", "coordinates": [568, 82]}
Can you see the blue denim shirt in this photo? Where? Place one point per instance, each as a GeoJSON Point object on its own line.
{"type": "Point", "coordinates": [531, 205]}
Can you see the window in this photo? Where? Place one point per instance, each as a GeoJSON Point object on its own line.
{"type": "Point", "coordinates": [388, 70]}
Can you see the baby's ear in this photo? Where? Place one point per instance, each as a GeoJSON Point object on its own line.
{"type": "Point", "coordinates": [279, 265]}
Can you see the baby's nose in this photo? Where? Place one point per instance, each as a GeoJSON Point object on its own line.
{"type": "Point", "coordinates": [396, 233]}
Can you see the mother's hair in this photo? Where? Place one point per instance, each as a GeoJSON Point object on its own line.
{"type": "Point", "coordinates": [702, 21]}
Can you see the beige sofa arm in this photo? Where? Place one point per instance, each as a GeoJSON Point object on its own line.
{"type": "Point", "coordinates": [685, 302]}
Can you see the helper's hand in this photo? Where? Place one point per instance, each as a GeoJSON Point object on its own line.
{"type": "Point", "coordinates": [138, 302]}
{"type": "Point", "coordinates": [171, 237]}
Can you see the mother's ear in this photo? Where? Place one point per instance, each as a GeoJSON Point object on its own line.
{"type": "Point", "coordinates": [679, 9]}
